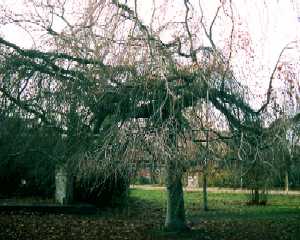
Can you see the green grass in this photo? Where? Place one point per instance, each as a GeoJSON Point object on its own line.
{"type": "Point", "coordinates": [229, 217]}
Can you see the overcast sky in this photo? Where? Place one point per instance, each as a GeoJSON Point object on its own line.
{"type": "Point", "coordinates": [271, 23]}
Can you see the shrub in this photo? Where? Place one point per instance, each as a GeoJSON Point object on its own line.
{"type": "Point", "coordinates": [109, 192]}
{"type": "Point", "coordinates": [26, 165]}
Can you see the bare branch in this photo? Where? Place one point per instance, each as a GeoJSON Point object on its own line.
{"type": "Point", "coordinates": [269, 91]}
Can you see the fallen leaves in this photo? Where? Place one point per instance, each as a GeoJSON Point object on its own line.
{"type": "Point", "coordinates": [142, 219]}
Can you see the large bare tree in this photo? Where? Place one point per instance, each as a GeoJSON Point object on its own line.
{"type": "Point", "coordinates": [109, 71]}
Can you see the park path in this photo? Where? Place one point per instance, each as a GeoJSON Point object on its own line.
{"type": "Point", "coordinates": [214, 189]}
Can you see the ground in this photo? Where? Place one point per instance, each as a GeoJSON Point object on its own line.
{"type": "Point", "coordinates": [142, 218]}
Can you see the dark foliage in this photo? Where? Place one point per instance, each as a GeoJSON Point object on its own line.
{"type": "Point", "coordinates": [26, 162]}
{"type": "Point", "coordinates": [110, 192]}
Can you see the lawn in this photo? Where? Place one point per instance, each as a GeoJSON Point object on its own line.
{"type": "Point", "coordinates": [143, 216]}
{"type": "Point", "coordinates": [229, 217]}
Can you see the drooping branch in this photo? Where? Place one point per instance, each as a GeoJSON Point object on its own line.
{"type": "Point", "coordinates": [50, 56]}
{"type": "Point", "coordinates": [269, 91]}
{"type": "Point", "coordinates": [190, 37]}
{"type": "Point", "coordinates": [42, 115]}
{"type": "Point", "coordinates": [209, 32]}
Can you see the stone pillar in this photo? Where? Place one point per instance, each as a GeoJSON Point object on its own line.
{"type": "Point", "coordinates": [63, 185]}
{"type": "Point", "coordinates": [193, 181]}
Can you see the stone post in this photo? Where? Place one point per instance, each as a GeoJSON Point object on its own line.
{"type": "Point", "coordinates": [63, 185]}
{"type": "Point", "coordinates": [193, 181]}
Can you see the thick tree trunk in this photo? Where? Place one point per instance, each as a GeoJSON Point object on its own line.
{"type": "Point", "coordinates": [175, 217]}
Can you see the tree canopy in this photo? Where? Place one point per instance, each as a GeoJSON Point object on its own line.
{"type": "Point", "coordinates": [110, 74]}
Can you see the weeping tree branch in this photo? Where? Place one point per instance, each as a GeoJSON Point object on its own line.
{"type": "Point", "coordinates": [42, 115]}
{"type": "Point", "coordinates": [269, 91]}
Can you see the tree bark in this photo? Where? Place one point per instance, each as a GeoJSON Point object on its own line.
{"type": "Point", "coordinates": [286, 181]}
{"type": "Point", "coordinates": [205, 204]}
{"type": "Point", "coordinates": [255, 196]}
{"type": "Point", "coordinates": [175, 217]}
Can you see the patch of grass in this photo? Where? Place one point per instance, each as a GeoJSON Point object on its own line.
{"type": "Point", "coordinates": [229, 217]}
{"type": "Point", "coordinates": [227, 202]}
{"type": "Point", "coordinates": [142, 217]}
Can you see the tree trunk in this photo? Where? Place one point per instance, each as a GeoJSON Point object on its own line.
{"type": "Point", "coordinates": [153, 175]}
{"type": "Point", "coordinates": [205, 204]}
{"type": "Point", "coordinates": [175, 217]}
{"type": "Point", "coordinates": [286, 181]}
{"type": "Point", "coordinates": [255, 196]}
